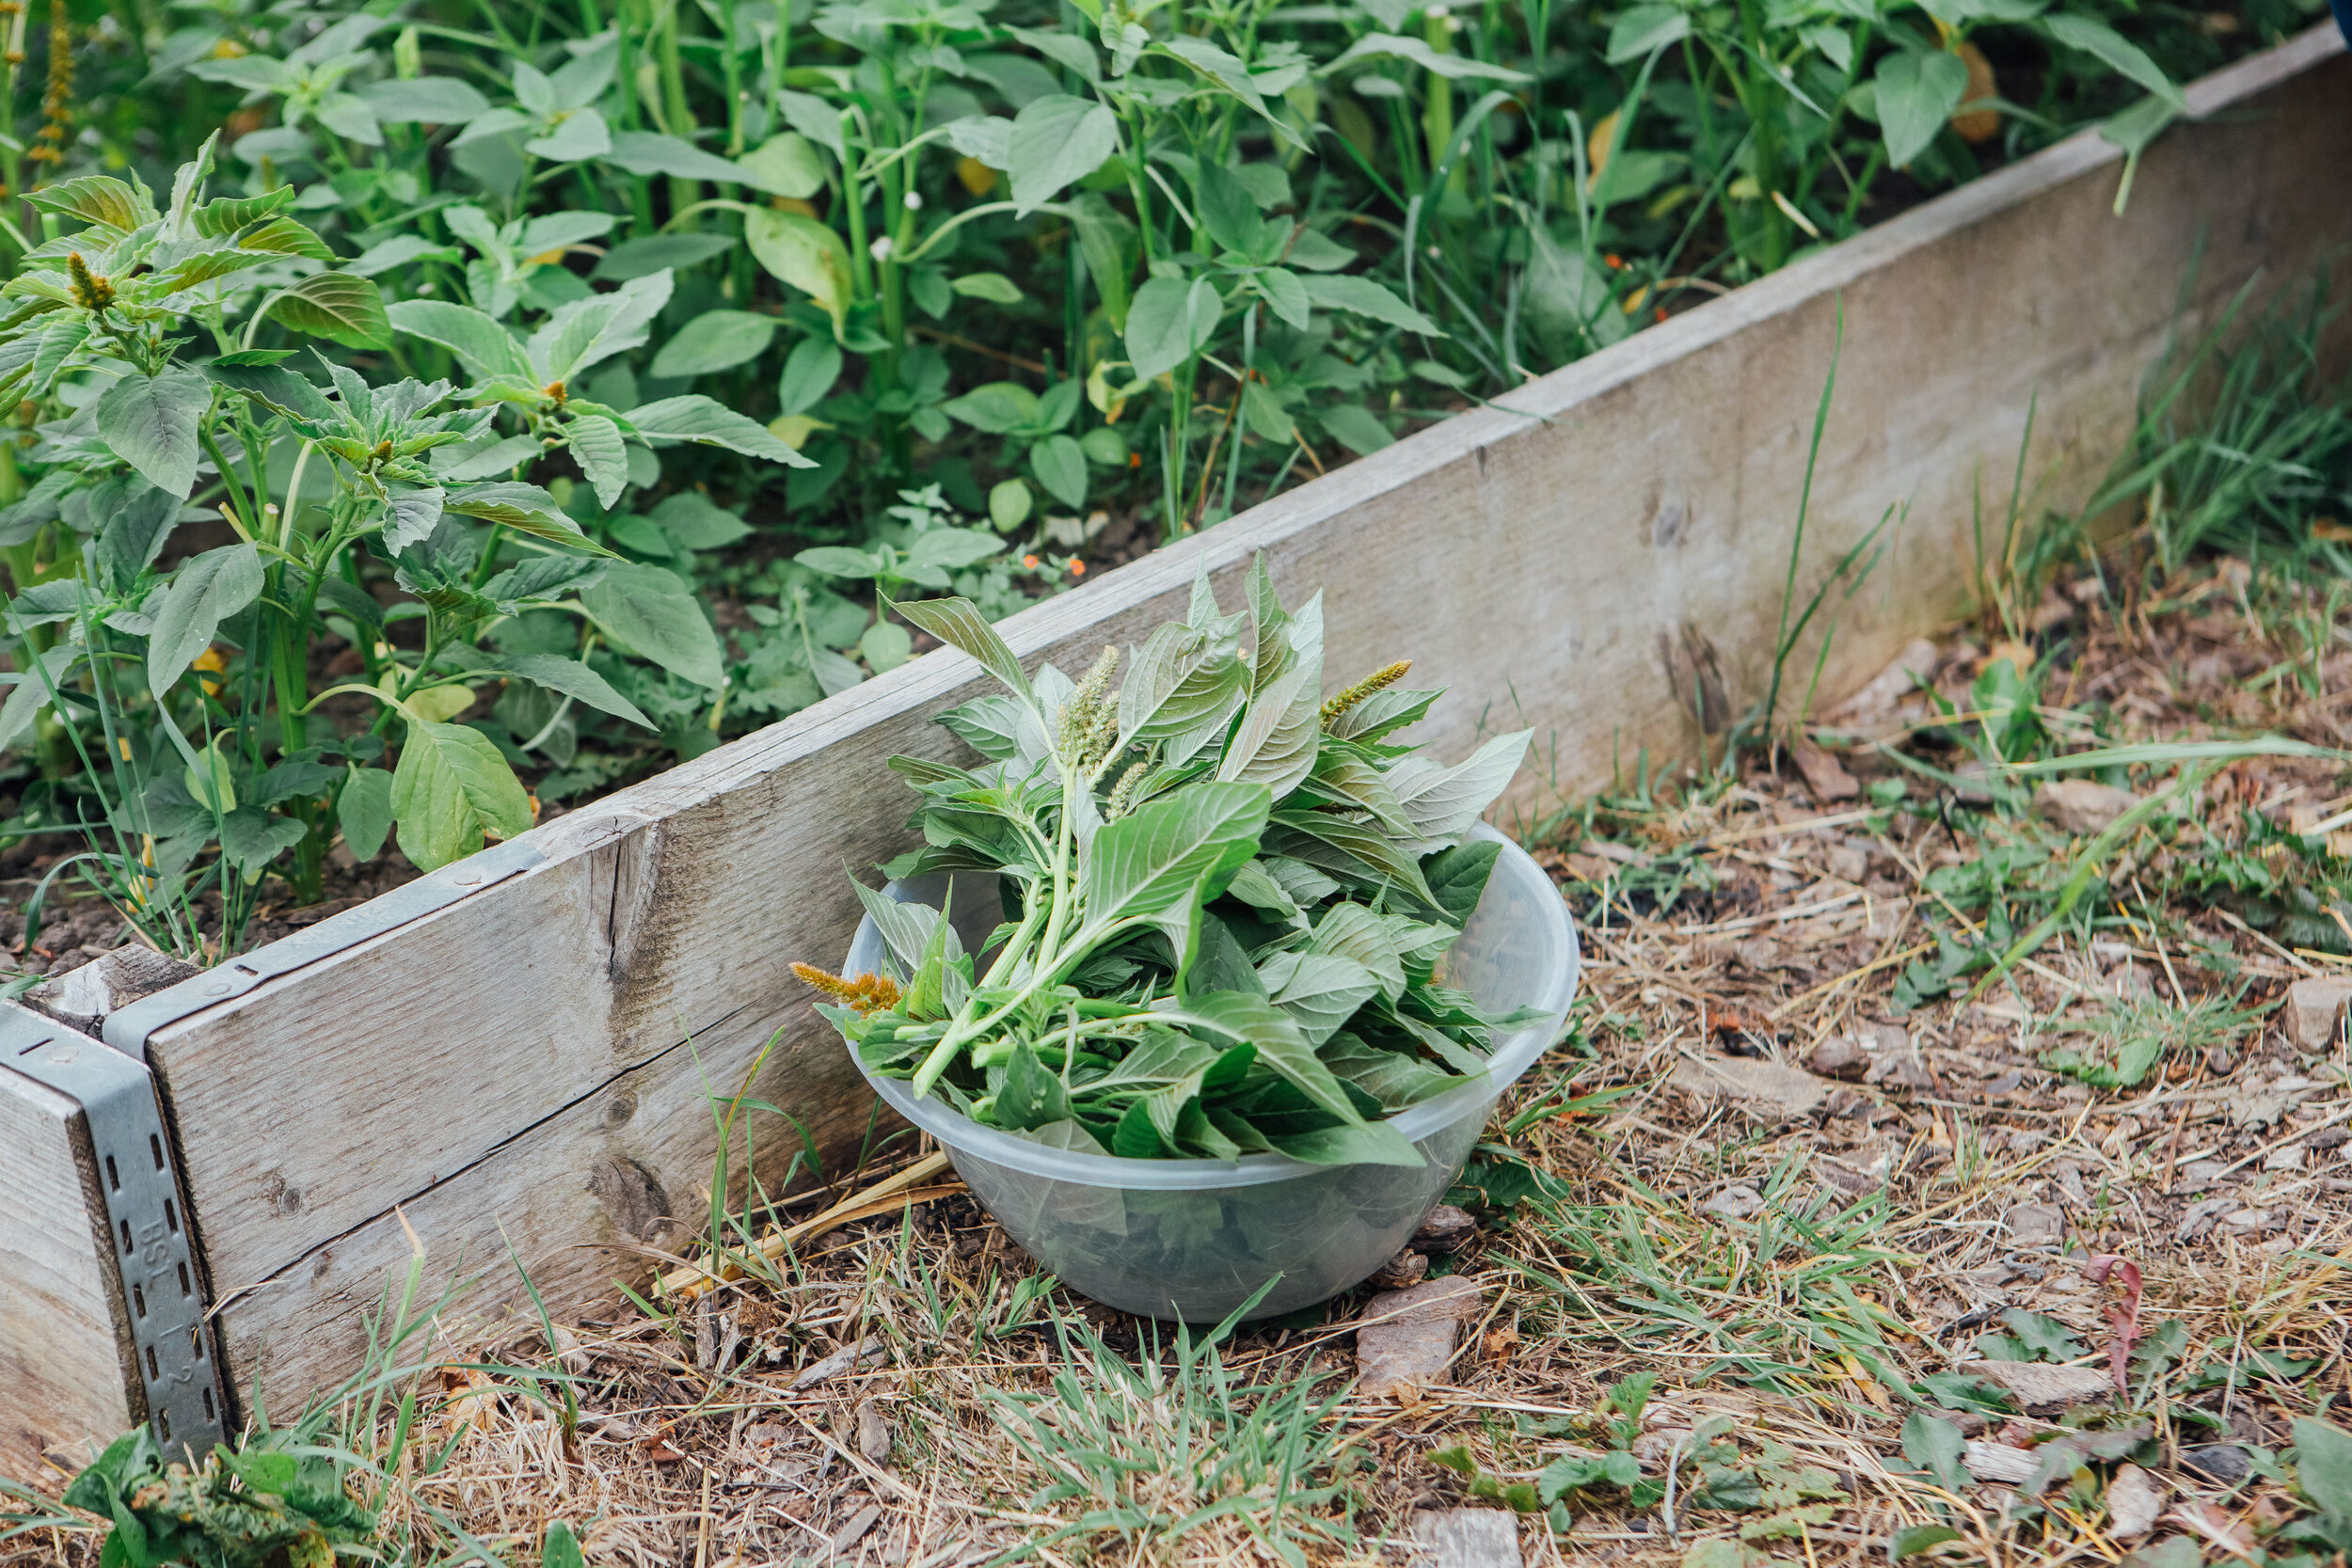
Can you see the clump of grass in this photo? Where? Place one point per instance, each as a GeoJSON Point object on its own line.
{"type": "Point", "coordinates": [2122, 1042]}
{"type": "Point", "coordinates": [1173, 1447]}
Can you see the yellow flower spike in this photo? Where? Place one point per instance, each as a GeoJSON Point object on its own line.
{"type": "Point", "coordinates": [1387, 676]}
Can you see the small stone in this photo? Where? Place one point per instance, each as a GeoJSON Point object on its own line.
{"type": "Point", "coordinates": [1466, 1537]}
{"type": "Point", "coordinates": [1405, 1268]}
{"type": "Point", "coordinates": [1901, 1069]}
{"type": "Point", "coordinates": [1766, 1087]}
{"type": "Point", "coordinates": [1445, 1231]}
{"type": "Point", "coordinates": [2081, 805]}
{"type": "Point", "coordinates": [1733, 1203]}
{"type": "Point", "coordinates": [1840, 1057]}
{"type": "Point", "coordinates": [1824, 775]}
{"type": "Point", "coordinates": [1405, 1337]}
{"type": "Point", "coordinates": [2036, 1224]}
{"type": "Point", "coordinates": [2315, 1010]}
{"type": "Point", "coordinates": [1887, 691]}
{"type": "Point", "coordinates": [873, 1432]}
{"type": "Point", "coordinates": [2134, 1503]}
{"type": "Point", "coordinates": [2224, 1462]}
{"type": "Point", "coordinates": [2037, 1384]}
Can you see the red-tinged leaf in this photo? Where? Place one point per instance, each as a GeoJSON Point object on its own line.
{"type": "Point", "coordinates": [2123, 1315]}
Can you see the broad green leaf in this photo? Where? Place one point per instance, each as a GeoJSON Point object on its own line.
{"type": "Point", "coordinates": [642, 257]}
{"type": "Point", "coordinates": [524, 508]}
{"type": "Point", "coordinates": [1376, 1143]}
{"type": "Point", "coordinates": [562, 1548]}
{"type": "Point", "coordinates": [1457, 877]}
{"type": "Point", "coordinates": [2323, 1465]}
{"type": "Point", "coordinates": [994, 287]}
{"type": "Point", "coordinates": [1057, 140]}
{"type": "Point", "coordinates": [1392, 1077]}
{"type": "Point", "coordinates": [1169, 322]}
{"type": "Point", "coordinates": [1187, 845]}
{"type": "Point", "coordinates": [1356, 428]}
{"type": "Point", "coordinates": [1444, 803]}
{"type": "Point", "coordinates": [837, 560]}
{"type": "Point", "coordinates": [1320, 990]}
{"type": "Point", "coordinates": [651, 153]}
{"type": "Point", "coordinates": [1281, 1046]}
{"type": "Point", "coordinates": [786, 165]}
{"type": "Point", "coordinates": [1275, 742]}
{"type": "Point", "coordinates": [150, 422]}
{"type": "Point", "coordinates": [1061, 468]}
{"type": "Point", "coordinates": [1352, 932]}
{"type": "Point", "coordinates": [484, 346]}
{"type": "Point", "coordinates": [588, 331]}
{"type": "Point", "coordinates": [596, 447]}
{"type": "Point", "coordinates": [2102, 43]}
{"type": "Point", "coordinates": [959, 624]}
{"type": "Point", "coordinates": [995, 407]}
{"type": "Point", "coordinates": [809, 371]}
{"type": "Point", "coordinates": [1181, 689]}
{"type": "Point", "coordinates": [1641, 29]}
{"type": "Point", "coordinates": [807, 254]}
{"type": "Point", "coordinates": [1396, 46]}
{"type": "Point", "coordinates": [1913, 1538]}
{"type": "Point", "coordinates": [697, 522]}
{"type": "Point", "coordinates": [94, 198]}
{"type": "Point", "coordinates": [411, 513]}
{"type": "Point", "coordinates": [700, 420]}
{"type": "Point", "coordinates": [650, 613]}
{"type": "Point", "coordinates": [580, 134]}
{"type": "Point", "coordinates": [250, 837]}
{"type": "Point", "coordinates": [425, 100]}
{"type": "Point", "coordinates": [338, 307]}
{"type": "Point", "coordinates": [1323, 839]}
{"type": "Point", "coordinates": [29, 692]}
{"type": "Point", "coordinates": [1365, 297]}
{"type": "Point", "coordinates": [363, 810]}
{"type": "Point", "coordinates": [1917, 94]}
{"type": "Point", "coordinates": [576, 680]}
{"type": "Point", "coordinates": [1936, 1446]}
{"type": "Point", "coordinates": [451, 791]}
{"type": "Point", "coordinates": [207, 590]}
{"type": "Point", "coordinates": [715, 341]}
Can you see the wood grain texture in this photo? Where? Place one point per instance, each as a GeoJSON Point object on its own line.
{"type": "Point", "coordinates": [1551, 563]}
{"type": "Point", "coordinates": [64, 1363]}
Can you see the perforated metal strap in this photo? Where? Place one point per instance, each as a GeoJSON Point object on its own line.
{"type": "Point", "coordinates": [129, 1029]}
{"type": "Point", "coordinates": [162, 1295]}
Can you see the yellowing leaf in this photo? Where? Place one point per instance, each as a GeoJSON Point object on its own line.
{"type": "Point", "coordinates": [806, 254]}
{"type": "Point", "coordinates": [440, 704]}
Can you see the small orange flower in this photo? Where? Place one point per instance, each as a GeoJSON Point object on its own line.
{"type": "Point", "coordinates": [1134, 460]}
{"type": "Point", "coordinates": [1030, 561]}
{"type": "Point", "coordinates": [1077, 567]}
{"type": "Point", "coordinates": [1662, 312]}
{"type": "Point", "coordinates": [1614, 261]}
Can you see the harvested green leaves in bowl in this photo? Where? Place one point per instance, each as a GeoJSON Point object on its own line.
{"type": "Point", "coordinates": [1228, 901]}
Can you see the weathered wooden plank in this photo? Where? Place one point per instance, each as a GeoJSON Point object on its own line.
{"type": "Point", "coordinates": [65, 1368]}
{"type": "Point", "coordinates": [1538, 561]}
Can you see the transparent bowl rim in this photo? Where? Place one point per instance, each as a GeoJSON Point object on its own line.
{"type": "Point", "coordinates": [1512, 1055]}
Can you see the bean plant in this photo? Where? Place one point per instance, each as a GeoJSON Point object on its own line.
{"type": "Point", "coordinates": [432, 411]}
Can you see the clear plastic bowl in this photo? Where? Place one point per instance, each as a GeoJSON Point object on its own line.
{"type": "Point", "coordinates": [1195, 1238]}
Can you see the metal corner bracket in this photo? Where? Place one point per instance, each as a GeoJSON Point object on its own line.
{"type": "Point", "coordinates": [162, 1295]}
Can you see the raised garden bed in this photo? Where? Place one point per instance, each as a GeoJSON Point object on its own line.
{"type": "Point", "coordinates": [532, 1058]}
